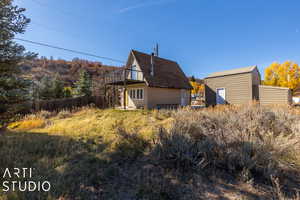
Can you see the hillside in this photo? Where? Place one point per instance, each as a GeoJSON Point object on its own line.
{"type": "Point", "coordinates": [66, 70]}
{"type": "Point", "coordinates": [220, 153]}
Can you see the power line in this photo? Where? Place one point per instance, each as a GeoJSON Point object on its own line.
{"type": "Point", "coordinates": [70, 50]}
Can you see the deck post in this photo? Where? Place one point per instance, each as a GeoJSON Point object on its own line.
{"type": "Point", "coordinates": [105, 99]}
{"type": "Point", "coordinates": [113, 93]}
{"type": "Point", "coordinates": [124, 95]}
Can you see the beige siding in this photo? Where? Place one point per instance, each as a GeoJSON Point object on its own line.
{"type": "Point", "coordinates": [140, 75]}
{"type": "Point", "coordinates": [156, 96]}
{"type": "Point", "coordinates": [166, 96]}
{"type": "Point", "coordinates": [238, 88]}
{"type": "Point", "coordinates": [274, 95]}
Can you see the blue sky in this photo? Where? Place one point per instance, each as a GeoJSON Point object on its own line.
{"type": "Point", "coordinates": [203, 36]}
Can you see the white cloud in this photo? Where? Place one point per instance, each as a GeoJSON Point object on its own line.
{"type": "Point", "coordinates": [144, 4]}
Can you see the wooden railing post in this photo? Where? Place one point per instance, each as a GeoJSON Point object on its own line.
{"type": "Point", "coordinates": [124, 95]}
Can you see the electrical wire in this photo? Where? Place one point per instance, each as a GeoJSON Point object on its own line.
{"type": "Point", "coordinates": [69, 50]}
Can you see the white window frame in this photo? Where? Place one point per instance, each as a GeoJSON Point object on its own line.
{"type": "Point", "coordinates": [141, 93]}
{"type": "Point", "coordinates": [133, 93]}
{"type": "Point", "coordinates": [134, 72]}
{"type": "Point", "coordinates": [222, 88]}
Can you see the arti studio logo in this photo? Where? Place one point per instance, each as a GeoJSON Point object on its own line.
{"type": "Point", "coordinates": [12, 181]}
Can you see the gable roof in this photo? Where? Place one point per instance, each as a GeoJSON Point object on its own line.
{"type": "Point", "coordinates": [167, 73]}
{"type": "Point", "coordinates": [232, 71]}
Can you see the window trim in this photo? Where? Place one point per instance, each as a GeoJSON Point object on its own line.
{"type": "Point", "coordinates": [137, 93]}
{"type": "Point", "coordinates": [225, 97]}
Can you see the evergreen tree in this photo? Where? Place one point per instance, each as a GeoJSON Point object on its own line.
{"type": "Point", "coordinates": [83, 87]}
{"type": "Point", "coordinates": [45, 91]}
{"type": "Point", "coordinates": [193, 79]}
{"type": "Point", "coordinates": [57, 88]}
{"type": "Point", "coordinates": [49, 88]}
{"type": "Point", "coordinates": [13, 88]}
{"type": "Point", "coordinates": [67, 92]}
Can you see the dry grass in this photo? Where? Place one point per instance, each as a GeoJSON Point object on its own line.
{"type": "Point", "coordinates": [231, 152]}
{"type": "Point", "coordinates": [27, 124]}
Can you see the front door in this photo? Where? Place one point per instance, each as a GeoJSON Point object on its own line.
{"type": "Point", "coordinates": [220, 96]}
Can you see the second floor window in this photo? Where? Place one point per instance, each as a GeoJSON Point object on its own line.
{"type": "Point", "coordinates": [134, 74]}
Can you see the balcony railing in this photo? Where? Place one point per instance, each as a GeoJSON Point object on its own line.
{"type": "Point", "coordinates": [127, 76]}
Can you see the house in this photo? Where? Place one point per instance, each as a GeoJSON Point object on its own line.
{"type": "Point", "coordinates": [150, 82]}
{"type": "Point", "coordinates": [242, 86]}
{"type": "Point", "coordinates": [237, 86]}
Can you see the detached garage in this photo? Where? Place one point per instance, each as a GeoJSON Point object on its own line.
{"type": "Point", "coordinates": [274, 95]}
{"type": "Point", "coordinates": [237, 86]}
{"type": "Point", "coordinates": [242, 86]}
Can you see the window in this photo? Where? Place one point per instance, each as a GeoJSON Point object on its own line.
{"type": "Point", "coordinates": [136, 94]}
{"type": "Point", "coordinates": [134, 72]}
{"type": "Point", "coordinates": [140, 93]}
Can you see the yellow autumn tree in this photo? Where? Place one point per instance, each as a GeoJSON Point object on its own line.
{"type": "Point", "coordinates": [286, 74]}
{"type": "Point", "coordinates": [197, 87]}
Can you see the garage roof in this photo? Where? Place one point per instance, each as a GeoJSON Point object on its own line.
{"type": "Point", "coordinates": [232, 71]}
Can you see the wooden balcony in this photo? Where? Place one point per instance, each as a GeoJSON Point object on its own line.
{"type": "Point", "coordinates": [124, 77]}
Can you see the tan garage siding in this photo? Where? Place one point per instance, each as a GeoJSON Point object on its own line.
{"type": "Point", "coordinates": [274, 95]}
{"type": "Point", "coordinates": [167, 96]}
{"type": "Point", "coordinates": [238, 88]}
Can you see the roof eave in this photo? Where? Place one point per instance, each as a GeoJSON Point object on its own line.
{"type": "Point", "coordinates": [227, 75]}
{"type": "Point", "coordinates": [250, 71]}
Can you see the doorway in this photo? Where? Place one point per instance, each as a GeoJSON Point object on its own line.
{"type": "Point", "coordinates": [221, 96]}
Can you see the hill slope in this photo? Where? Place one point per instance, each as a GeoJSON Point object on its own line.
{"type": "Point", "coordinates": [66, 70]}
{"type": "Point", "coordinates": [226, 152]}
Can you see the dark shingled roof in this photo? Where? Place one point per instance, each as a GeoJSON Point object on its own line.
{"type": "Point", "coordinates": [167, 73]}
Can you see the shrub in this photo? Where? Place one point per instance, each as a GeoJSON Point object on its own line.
{"type": "Point", "coordinates": [129, 145]}
{"type": "Point", "coordinates": [64, 114]}
{"type": "Point", "coordinates": [253, 142]}
{"type": "Point", "coordinates": [39, 115]}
